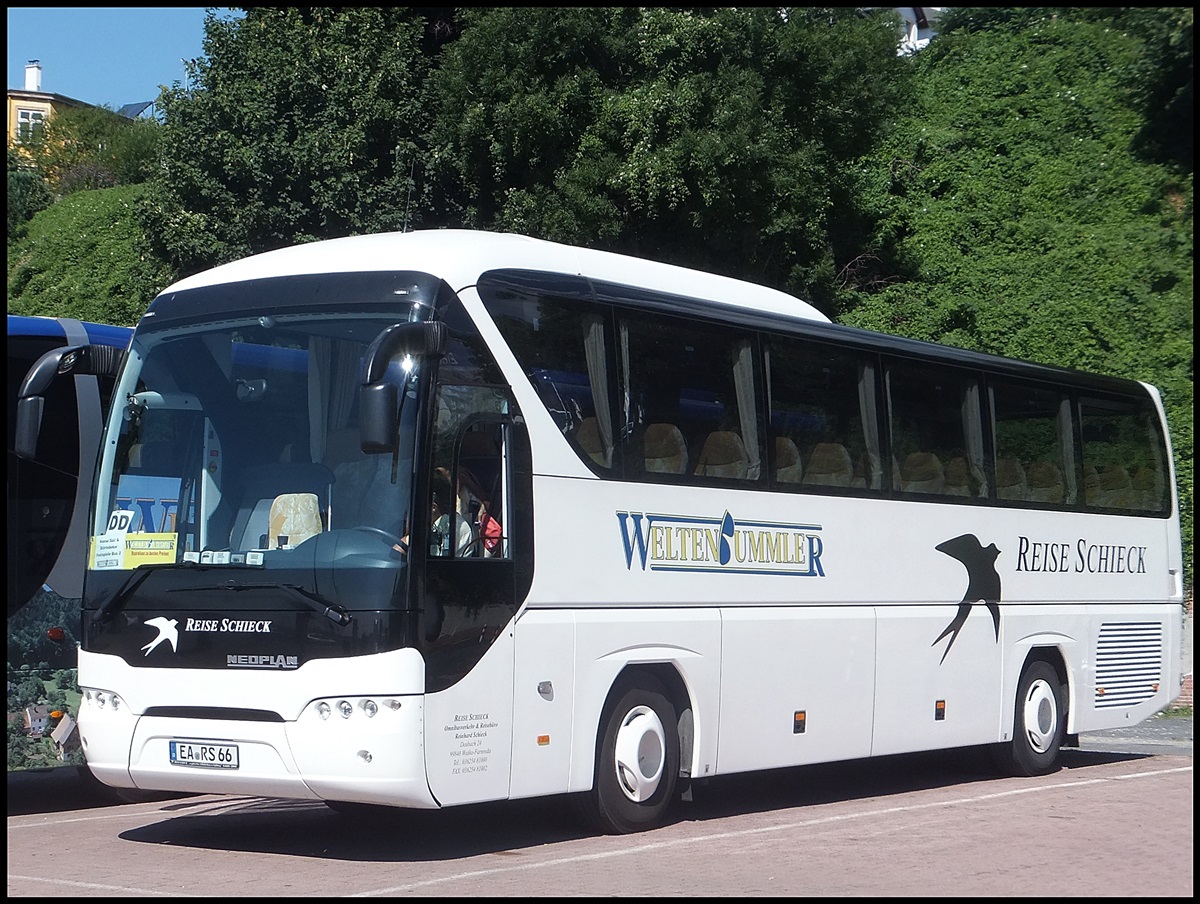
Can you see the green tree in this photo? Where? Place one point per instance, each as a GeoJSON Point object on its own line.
{"type": "Point", "coordinates": [86, 257]}
{"type": "Point", "coordinates": [20, 746]}
{"type": "Point", "coordinates": [93, 147]}
{"type": "Point", "coordinates": [26, 689]}
{"type": "Point", "coordinates": [715, 138]}
{"type": "Point", "coordinates": [27, 193]}
{"type": "Point", "coordinates": [297, 124]}
{"type": "Point", "coordinates": [1159, 81]}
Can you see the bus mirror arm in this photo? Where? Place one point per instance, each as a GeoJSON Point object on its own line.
{"type": "Point", "coordinates": [418, 340]}
{"type": "Point", "coordinates": [75, 360]}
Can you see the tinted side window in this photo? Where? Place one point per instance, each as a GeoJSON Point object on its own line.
{"type": "Point", "coordinates": [564, 345]}
{"type": "Point", "coordinates": [1035, 449]}
{"type": "Point", "coordinates": [58, 446]}
{"type": "Point", "coordinates": [824, 419]}
{"type": "Point", "coordinates": [1124, 456]}
{"type": "Point", "coordinates": [689, 400]}
{"type": "Point", "coordinates": [936, 431]}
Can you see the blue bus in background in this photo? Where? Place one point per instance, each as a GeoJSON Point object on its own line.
{"type": "Point", "coordinates": [47, 523]}
{"type": "Point", "coordinates": [48, 497]}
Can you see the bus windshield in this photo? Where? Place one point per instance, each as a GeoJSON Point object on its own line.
{"type": "Point", "coordinates": [233, 459]}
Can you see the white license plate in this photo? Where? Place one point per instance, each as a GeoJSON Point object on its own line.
{"type": "Point", "coordinates": [204, 753]}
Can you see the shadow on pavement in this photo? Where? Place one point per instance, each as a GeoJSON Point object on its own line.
{"type": "Point", "coordinates": [68, 788]}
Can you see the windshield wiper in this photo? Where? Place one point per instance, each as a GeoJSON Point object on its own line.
{"type": "Point", "coordinates": [132, 583]}
{"type": "Point", "coordinates": [317, 603]}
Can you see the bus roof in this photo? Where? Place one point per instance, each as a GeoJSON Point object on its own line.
{"type": "Point", "coordinates": [461, 256]}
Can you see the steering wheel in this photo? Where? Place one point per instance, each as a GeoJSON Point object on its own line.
{"type": "Point", "coordinates": [392, 539]}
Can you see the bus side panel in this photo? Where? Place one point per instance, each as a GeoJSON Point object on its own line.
{"type": "Point", "coordinates": [543, 703]}
{"type": "Point", "coordinates": [913, 679]}
{"type": "Point", "coordinates": [797, 687]}
{"type": "Point", "coordinates": [608, 641]}
{"type": "Point", "coordinates": [468, 730]}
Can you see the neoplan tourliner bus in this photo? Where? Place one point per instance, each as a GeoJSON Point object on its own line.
{"type": "Point", "coordinates": [458, 516]}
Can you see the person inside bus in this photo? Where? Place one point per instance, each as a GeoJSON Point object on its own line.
{"type": "Point", "coordinates": [449, 529]}
{"type": "Point", "coordinates": [474, 504]}
{"type": "Point", "coordinates": [441, 508]}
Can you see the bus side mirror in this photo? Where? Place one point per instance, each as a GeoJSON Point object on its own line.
{"type": "Point", "coordinates": [378, 417]}
{"type": "Point", "coordinates": [378, 410]}
{"type": "Point", "coordinates": [97, 360]}
{"type": "Point", "coordinates": [29, 425]}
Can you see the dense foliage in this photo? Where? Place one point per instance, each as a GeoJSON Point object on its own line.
{"type": "Point", "coordinates": [28, 193]}
{"type": "Point", "coordinates": [719, 140]}
{"type": "Point", "coordinates": [299, 124]}
{"type": "Point", "coordinates": [93, 147]}
{"type": "Point", "coordinates": [1022, 186]}
{"type": "Point", "coordinates": [86, 257]}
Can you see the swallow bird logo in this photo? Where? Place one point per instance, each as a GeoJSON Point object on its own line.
{"type": "Point", "coordinates": [983, 583]}
{"type": "Point", "coordinates": [167, 630]}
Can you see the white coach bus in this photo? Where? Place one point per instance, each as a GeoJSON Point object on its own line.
{"type": "Point", "coordinates": [464, 516]}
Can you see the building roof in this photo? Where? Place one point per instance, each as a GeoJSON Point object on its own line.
{"type": "Point", "coordinates": [45, 97]}
{"type": "Point", "coordinates": [133, 111]}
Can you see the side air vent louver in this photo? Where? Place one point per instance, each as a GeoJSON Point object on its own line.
{"type": "Point", "coordinates": [1128, 663]}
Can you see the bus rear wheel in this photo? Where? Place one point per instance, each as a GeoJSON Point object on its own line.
{"type": "Point", "coordinates": [1039, 723]}
{"type": "Point", "coordinates": [637, 762]}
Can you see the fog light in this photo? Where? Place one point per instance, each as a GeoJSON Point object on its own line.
{"type": "Point", "coordinates": [323, 710]}
{"type": "Point", "coordinates": [345, 708]}
{"type": "Point", "coordinates": [365, 756]}
{"type": "Point", "coordinates": [369, 708]}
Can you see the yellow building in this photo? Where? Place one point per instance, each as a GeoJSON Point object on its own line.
{"type": "Point", "coordinates": [29, 108]}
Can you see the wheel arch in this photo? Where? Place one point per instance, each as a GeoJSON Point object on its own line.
{"type": "Point", "coordinates": [1053, 654]}
{"type": "Point", "coordinates": [668, 675]}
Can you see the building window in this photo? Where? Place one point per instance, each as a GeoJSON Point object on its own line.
{"type": "Point", "coordinates": [29, 123]}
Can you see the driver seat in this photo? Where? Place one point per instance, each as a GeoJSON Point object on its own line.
{"type": "Point", "coordinates": [294, 517]}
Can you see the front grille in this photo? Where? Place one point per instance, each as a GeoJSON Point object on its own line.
{"type": "Point", "coordinates": [223, 713]}
{"type": "Point", "coordinates": [1128, 663]}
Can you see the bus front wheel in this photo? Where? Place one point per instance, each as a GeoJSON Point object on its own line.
{"type": "Point", "coordinates": [637, 763]}
{"type": "Point", "coordinates": [1039, 723]}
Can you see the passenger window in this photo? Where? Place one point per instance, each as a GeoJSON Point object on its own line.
{"type": "Point", "coordinates": [1035, 450]}
{"type": "Point", "coordinates": [564, 345]}
{"type": "Point", "coordinates": [824, 419]}
{"type": "Point", "coordinates": [936, 430]}
{"type": "Point", "coordinates": [1124, 456]}
{"type": "Point", "coordinates": [691, 410]}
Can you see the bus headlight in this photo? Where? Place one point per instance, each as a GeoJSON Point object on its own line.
{"type": "Point", "coordinates": [101, 699]}
{"type": "Point", "coordinates": [355, 709]}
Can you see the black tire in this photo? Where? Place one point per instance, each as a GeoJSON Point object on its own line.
{"type": "Point", "coordinates": [1039, 723]}
{"type": "Point", "coordinates": [637, 759]}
